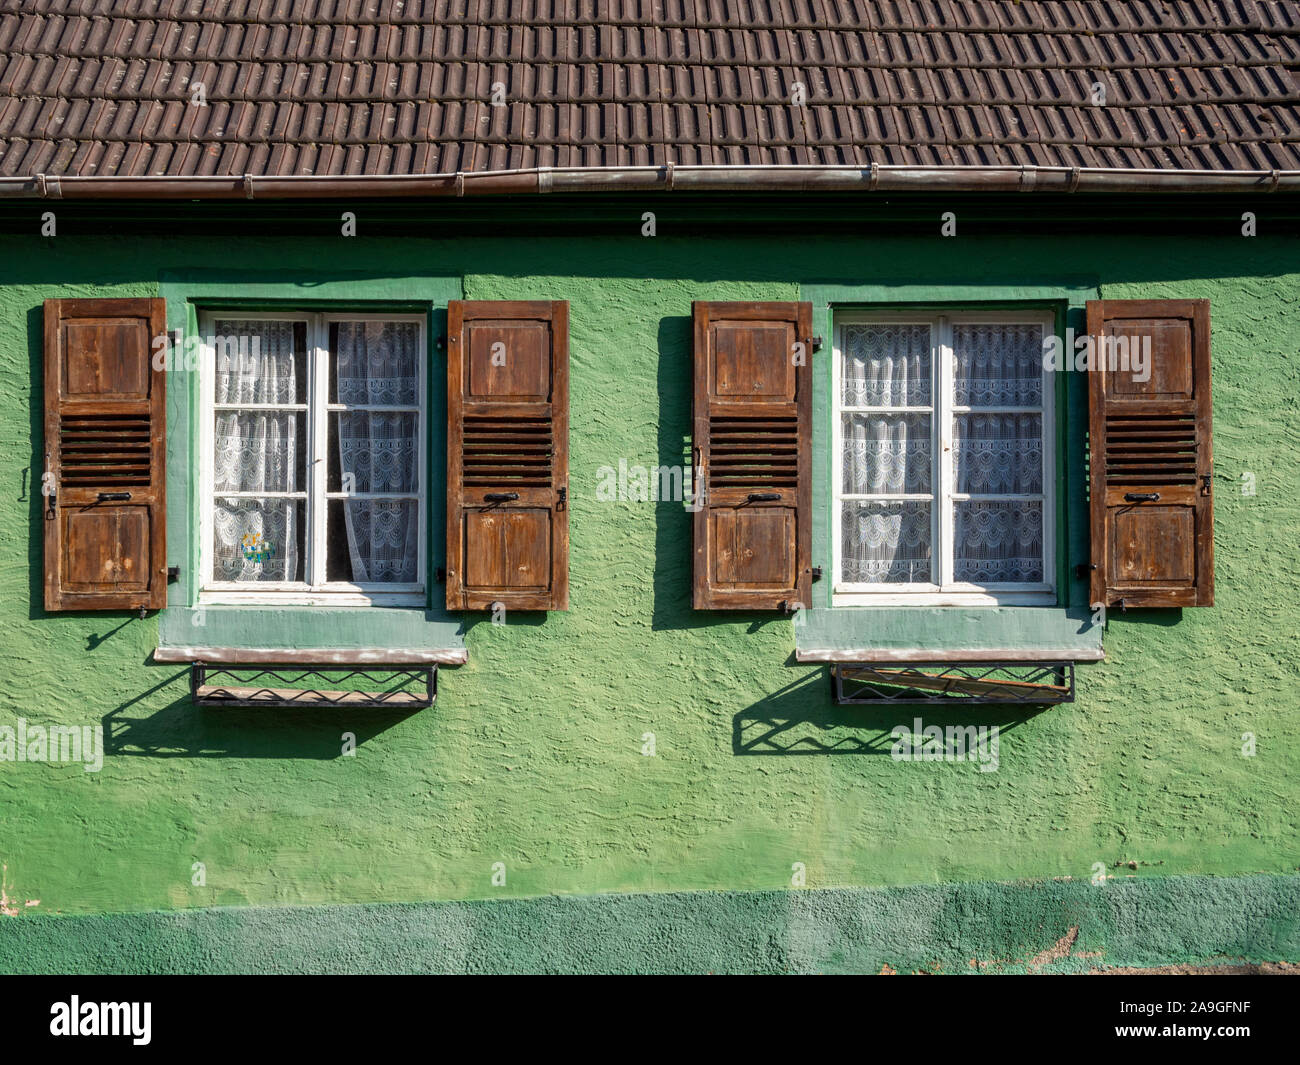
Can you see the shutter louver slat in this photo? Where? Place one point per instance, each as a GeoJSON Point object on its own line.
{"type": "Point", "coordinates": [507, 456]}
{"type": "Point", "coordinates": [1152, 466]}
{"type": "Point", "coordinates": [105, 439]}
{"type": "Point", "coordinates": [752, 437]}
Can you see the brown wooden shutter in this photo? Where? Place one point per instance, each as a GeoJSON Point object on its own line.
{"type": "Point", "coordinates": [752, 452]}
{"type": "Point", "coordinates": [1151, 460]}
{"type": "Point", "coordinates": [105, 445]}
{"type": "Point", "coordinates": [508, 455]}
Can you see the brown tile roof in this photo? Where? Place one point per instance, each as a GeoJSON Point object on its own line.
{"type": "Point", "coordinates": [382, 87]}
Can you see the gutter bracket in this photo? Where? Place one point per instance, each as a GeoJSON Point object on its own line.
{"type": "Point", "coordinates": [1028, 178]}
{"type": "Point", "coordinates": [460, 183]}
{"type": "Point", "coordinates": [248, 186]}
{"type": "Point", "coordinates": [668, 177]}
{"type": "Point", "coordinates": [49, 187]}
{"type": "Point", "coordinates": [1073, 185]}
{"type": "Point", "coordinates": [1275, 177]}
{"type": "Point", "coordinates": [875, 177]}
{"type": "Point", "coordinates": [544, 180]}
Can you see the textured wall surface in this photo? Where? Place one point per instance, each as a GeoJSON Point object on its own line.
{"type": "Point", "coordinates": [1060, 926]}
{"type": "Point", "coordinates": [532, 756]}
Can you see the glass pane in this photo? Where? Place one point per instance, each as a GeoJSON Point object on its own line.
{"type": "Point", "coordinates": [260, 362]}
{"type": "Point", "coordinates": [999, 453]}
{"type": "Point", "coordinates": [375, 363]}
{"type": "Point", "coordinates": [998, 365]}
{"type": "Point", "coordinates": [372, 541]}
{"type": "Point", "coordinates": [885, 543]}
{"type": "Point", "coordinates": [886, 453]}
{"type": "Point", "coordinates": [373, 452]}
{"type": "Point", "coordinates": [258, 539]}
{"type": "Point", "coordinates": [886, 365]}
{"type": "Point", "coordinates": [998, 542]}
{"type": "Point", "coordinates": [260, 451]}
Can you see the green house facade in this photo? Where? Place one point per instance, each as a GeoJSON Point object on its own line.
{"type": "Point", "coordinates": [615, 778]}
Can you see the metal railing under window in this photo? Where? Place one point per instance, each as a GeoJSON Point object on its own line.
{"type": "Point", "coordinates": [971, 683]}
{"type": "Point", "coordinates": [390, 687]}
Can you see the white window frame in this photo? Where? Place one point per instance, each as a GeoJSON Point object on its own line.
{"type": "Point", "coordinates": [316, 591]}
{"type": "Point", "coordinates": [946, 592]}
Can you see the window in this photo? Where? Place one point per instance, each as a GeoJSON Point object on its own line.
{"type": "Point", "coordinates": [313, 453]}
{"type": "Point", "coordinates": [943, 490]}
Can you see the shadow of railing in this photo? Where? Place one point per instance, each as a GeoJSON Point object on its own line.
{"type": "Point", "coordinates": [803, 719]}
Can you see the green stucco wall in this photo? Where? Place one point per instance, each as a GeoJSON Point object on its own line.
{"type": "Point", "coordinates": [532, 755]}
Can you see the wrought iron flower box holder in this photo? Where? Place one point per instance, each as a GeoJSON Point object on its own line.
{"type": "Point", "coordinates": [953, 683]}
{"type": "Point", "coordinates": [277, 687]}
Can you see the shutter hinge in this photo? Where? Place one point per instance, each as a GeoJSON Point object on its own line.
{"type": "Point", "coordinates": [1205, 484]}
{"type": "Point", "coordinates": [562, 499]}
{"type": "Point", "coordinates": [816, 574]}
{"type": "Point", "coordinates": [173, 574]}
{"type": "Point", "coordinates": [440, 575]}
{"type": "Point", "coordinates": [49, 507]}
{"type": "Point", "coordinates": [1084, 570]}
{"type": "Point", "coordinates": [814, 343]}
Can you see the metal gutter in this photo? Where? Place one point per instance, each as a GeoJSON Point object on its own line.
{"type": "Point", "coordinates": [875, 178]}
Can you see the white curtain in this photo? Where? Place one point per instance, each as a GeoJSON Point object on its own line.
{"type": "Point", "coordinates": [377, 366]}
{"type": "Point", "coordinates": [885, 543]}
{"type": "Point", "coordinates": [886, 453]}
{"type": "Point", "coordinates": [999, 453]}
{"type": "Point", "coordinates": [999, 542]}
{"type": "Point", "coordinates": [998, 365]}
{"type": "Point", "coordinates": [886, 365]}
{"type": "Point", "coordinates": [891, 453]}
{"type": "Point", "coordinates": [256, 451]}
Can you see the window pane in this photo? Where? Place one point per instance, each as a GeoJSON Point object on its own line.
{"type": "Point", "coordinates": [375, 363]}
{"type": "Point", "coordinates": [998, 365]}
{"type": "Point", "coordinates": [886, 365]}
{"type": "Point", "coordinates": [998, 542]}
{"type": "Point", "coordinates": [260, 362]}
{"type": "Point", "coordinates": [377, 450]}
{"type": "Point", "coordinates": [372, 541]}
{"type": "Point", "coordinates": [886, 453]}
{"type": "Point", "coordinates": [260, 451]}
{"type": "Point", "coordinates": [886, 543]}
{"type": "Point", "coordinates": [999, 453]}
{"type": "Point", "coordinates": [258, 540]}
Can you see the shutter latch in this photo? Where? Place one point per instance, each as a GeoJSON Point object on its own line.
{"type": "Point", "coordinates": [562, 499]}
{"type": "Point", "coordinates": [814, 343]}
{"type": "Point", "coordinates": [49, 506]}
{"type": "Point", "coordinates": [1205, 484]}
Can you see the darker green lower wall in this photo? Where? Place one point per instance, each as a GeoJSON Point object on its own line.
{"type": "Point", "coordinates": [1058, 926]}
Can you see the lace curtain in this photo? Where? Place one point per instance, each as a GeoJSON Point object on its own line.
{"type": "Point", "coordinates": [256, 451]}
{"type": "Point", "coordinates": [886, 365]}
{"type": "Point", "coordinates": [891, 453]}
{"type": "Point", "coordinates": [886, 543]}
{"type": "Point", "coordinates": [377, 365]}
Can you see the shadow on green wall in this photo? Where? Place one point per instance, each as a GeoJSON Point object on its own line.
{"type": "Point", "coordinates": [803, 719]}
{"type": "Point", "coordinates": [181, 730]}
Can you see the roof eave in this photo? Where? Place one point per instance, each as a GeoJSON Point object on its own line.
{"type": "Point", "coordinates": [873, 178]}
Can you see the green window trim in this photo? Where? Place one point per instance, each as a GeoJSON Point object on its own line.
{"type": "Point", "coordinates": [1066, 631]}
{"type": "Point", "coordinates": [187, 630]}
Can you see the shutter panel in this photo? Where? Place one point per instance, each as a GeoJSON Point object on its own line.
{"type": "Point", "coordinates": [1151, 460]}
{"type": "Point", "coordinates": [507, 455]}
{"type": "Point", "coordinates": [752, 439]}
{"type": "Point", "coordinates": [105, 445]}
